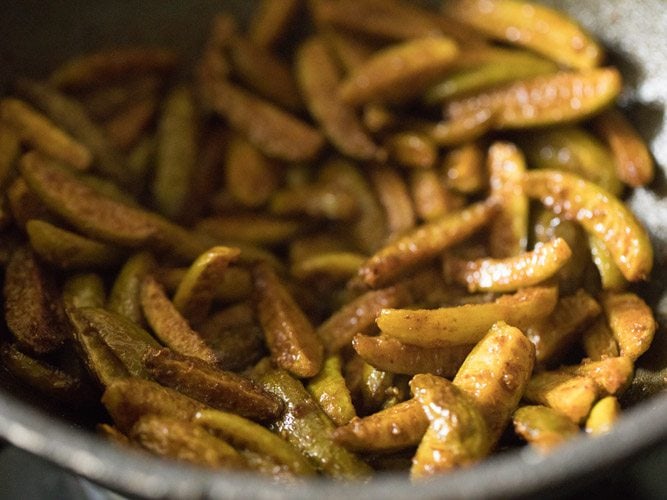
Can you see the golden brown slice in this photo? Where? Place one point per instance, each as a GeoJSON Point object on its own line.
{"type": "Point", "coordinates": [572, 395]}
{"type": "Point", "coordinates": [329, 390]}
{"type": "Point", "coordinates": [396, 428]}
{"type": "Point", "coordinates": [468, 323]}
{"type": "Point", "coordinates": [543, 100]}
{"type": "Point", "coordinates": [336, 267]}
{"type": "Point", "coordinates": [603, 416]}
{"type": "Point", "coordinates": [611, 375]}
{"type": "Point", "coordinates": [317, 199]}
{"type": "Point", "coordinates": [216, 388]}
{"type": "Point", "coordinates": [319, 78]}
{"type": "Point", "coordinates": [634, 164]}
{"type": "Point", "coordinates": [374, 388]}
{"type": "Point", "coordinates": [536, 27]}
{"type": "Point", "coordinates": [273, 131]}
{"type": "Point", "coordinates": [169, 325]}
{"type": "Point", "coordinates": [271, 20]}
{"type": "Point", "coordinates": [33, 311]}
{"type": "Point", "coordinates": [289, 334]}
{"type": "Point", "coordinates": [39, 132]}
{"type": "Point", "coordinates": [431, 199]}
{"type": "Point", "coordinates": [496, 374]}
{"type": "Point", "coordinates": [457, 435]}
{"type": "Point", "coordinates": [392, 192]}
{"type": "Point", "coordinates": [248, 435]}
{"type": "Point", "coordinates": [399, 72]}
{"type": "Point", "coordinates": [125, 297]}
{"type": "Point", "coordinates": [600, 213]}
{"type": "Point", "coordinates": [386, 353]}
{"type": "Point", "coordinates": [460, 129]}
{"type": "Point", "coordinates": [463, 168]}
{"type": "Point", "coordinates": [184, 441]}
{"type": "Point", "coordinates": [423, 244]}
{"type": "Point", "coordinates": [511, 273]}
{"type": "Point", "coordinates": [305, 426]}
{"type": "Point", "coordinates": [68, 250]}
{"type": "Point", "coordinates": [197, 289]}
{"type": "Point", "coordinates": [543, 427]}
{"type": "Point", "coordinates": [611, 277]}
{"type": "Point", "coordinates": [631, 322]}
{"type": "Point", "coordinates": [358, 315]}
{"type": "Point", "coordinates": [598, 341]}
{"type": "Point", "coordinates": [412, 149]}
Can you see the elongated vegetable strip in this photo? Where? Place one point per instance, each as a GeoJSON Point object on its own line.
{"type": "Point", "coordinates": [258, 229]}
{"type": "Point", "coordinates": [125, 297]}
{"type": "Point", "coordinates": [246, 434]}
{"type": "Point", "coordinates": [600, 213]}
{"type": "Point", "coordinates": [536, 27]}
{"type": "Point", "coordinates": [412, 150]}
{"type": "Point", "coordinates": [457, 435]}
{"type": "Point", "coordinates": [552, 99]}
{"type": "Point", "coordinates": [466, 324]}
{"type": "Point", "coordinates": [611, 277]}
{"type": "Point", "coordinates": [603, 416]}
{"type": "Point", "coordinates": [197, 289]}
{"type": "Point", "coordinates": [333, 266]}
{"type": "Point", "coordinates": [431, 199]}
{"type": "Point", "coordinates": [543, 427]}
{"type": "Point", "coordinates": [251, 178]}
{"type": "Point", "coordinates": [38, 131]}
{"type": "Point", "coordinates": [633, 161]}
{"type": "Point", "coordinates": [611, 375]}
{"type": "Point", "coordinates": [511, 273]}
{"type": "Point", "coordinates": [398, 72]}
{"type": "Point", "coordinates": [455, 131]}
{"type": "Point", "coordinates": [386, 353]}
{"type": "Point", "coordinates": [394, 197]}
{"type": "Point", "coordinates": [496, 374]}
{"type": "Point", "coordinates": [32, 307]}
{"type": "Point", "coordinates": [68, 250]}
{"type": "Point", "coordinates": [329, 390]}
{"type": "Point", "coordinates": [216, 388]}
{"type": "Point", "coordinates": [337, 331]}
{"type": "Point", "coordinates": [305, 426]}
{"type": "Point", "coordinates": [318, 78]}
{"type": "Point", "coordinates": [463, 169]}
{"type": "Point", "coordinates": [273, 131]}
{"type": "Point", "coordinates": [423, 244]}
{"type": "Point", "coordinates": [271, 21]}
{"type": "Point", "coordinates": [128, 127]}
{"type": "Point", "coordinates": [631, 322]}
{"type": "Point", "coordinates": [318, 199]}
{"type": "Point", "coordinates": [396, 428]}
{"type": "Point", "coordinates": [289, 334]}
{"type": "Point", "coordinates": [598, 341]}
{"type": "Point", "coordinates": [168, 324]}
{"type": "Point", "coordinates": [572, 395]}
{"type": "Point", "coordinates": [184, 441]}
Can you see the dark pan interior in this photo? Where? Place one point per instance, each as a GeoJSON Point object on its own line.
{"type": "Point", "coordinates": [39, 34]}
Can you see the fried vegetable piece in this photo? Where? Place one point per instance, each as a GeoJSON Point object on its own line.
{"type": "Point", "coordinates": [511, 273]}
{"type": "Point", "coordinates": [271, 21]}
{"type": "Point", "coordinates": [197, 289]}
{"type": "Point", "coordinates": [245, 434]}
{"type": "Point", "coordinates": [395, 428]}
{"type": "Point", "coordinates": [412, 149]}
{"type": "Point", "coordinates": [329, 390]}
{"type": "Point", "coordinates": [423, 244]}
{"type": "Point", "coordinates": [388, 354]}
{"type": "Point", "coordinates": [126, 128]}
{"type": "Point", "coordinates": [68, 250]}
{"type": "Point", "coordinates": [631, 322]}
{"type": "Point", "coordinates": [468, 323]}
{"type": "Point", "coordinates": [274, 132]}
{"type": "Point", "coordinates": [373, 388]}
{"type": "Point", "coordinates": [84, 290]}
{"type": "Point", "coordinates": [99, 216]}
{"type": "Point", "coordinates": [333, 266]}
{"type": "Point", "coordinates": [552, 99]}
{"type": "Point", "coordinates": [251, 228]}
{"type": "Point", "coordinates": [496, 374]}
{"type": "Point", "coordinates": [306, 427]}
{"type": "Point", "coordinates": [431, 199]}
{"type": "Point", "coordinates": [603, 416]}
{"type": "Point", "coordinates": [536, 27]}
{"type": "Point", "coordinates": [599, 342]}
{"type": "Point", "coordinates": [124, 297]}
{"type": "Point", "coordinates": [543, 427]}
{"type": "Point", "coordinates": [289, 334]}
{"type": "Point", "coordinates": [69, 114]}
{"type": "Point", "coordinates": [572, 395]}
{"type": "Point", "coordinates": [393, 195]}
{"type": "Point", "coordinates": [508, 235]}
{"type": "Point", "coordinates": [177, 148]}
{"type": "Point", "coordinates": [611, 277]}
{"type": "Point", "coordinates": [457, 435]}
{"type": "Point", "coordinates": [359, 314]}
{"type": "Point", "coordinates": [600, 213]}
{"type": "Point", "coordinates": [105, 66]}
{"type": "Point", "coordinates": [399, 72]}
{"type": "Point", "coordinates": [235, 284]}
{"type": "Point", "coordinates": [319, 77]}
{"type": "Point", "coordinates": [611, 375]}
{"type": "Point", "coordinates": [214, 62]}
{"type": "Point", "coordinates": [169, 325]}
{"type": "Point", "coordinates": [552, 335]}
{"type": "Point", "coordinates": [129, 399]}
{"type": "Point", "coordinates": [634, 164]}
{"type": "Point", "coordinates": [33, 311]}
{"type": "Point", "coordinates": [216, 388]}
{"type": "Point", "coordinates": [184, 441]}
{"type": "Point", "coordinates": [463, 128]}
{"type": "Point", "coordinates": [39, 132]}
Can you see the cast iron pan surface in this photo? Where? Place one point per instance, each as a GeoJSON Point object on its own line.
{"type": "Point", "coordinates": [38, 35]}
